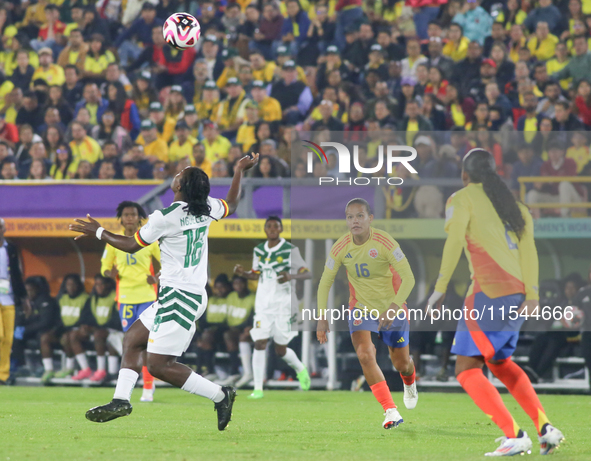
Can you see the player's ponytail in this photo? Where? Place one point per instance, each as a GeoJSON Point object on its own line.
{"type": "Point", "coordinates": [195, 188]}
{"type": "Point", "coordinates": [480, 166]}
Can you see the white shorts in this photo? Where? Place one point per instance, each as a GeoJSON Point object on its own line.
{"type": "Point", "coordinates": [171, 321]}
{"type": "Point", "coordinates": [274, 326]}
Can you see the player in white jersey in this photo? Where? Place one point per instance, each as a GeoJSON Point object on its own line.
{"type": "Point", "coordinates": [274, 264]}
{"type": "Point", "coordinates": [166, 328]}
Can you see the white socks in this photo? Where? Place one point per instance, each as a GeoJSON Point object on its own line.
{"type": "Point", "coordinates": [81, 359]}
{"type": "Point", "coordinates": [292, 360]}
{"type": "Point", "coordinates": [125, 384]}
{"type": "Point", "coordinates": [101, 362]}
{"type": "Point", "coordinates": [259, 359]}
{"type": "Point", "coordinates": [113, 362]}
{"type": "Point", "coordinates": [70, 362]}
{"type": "Point", "coordinates": [47, 364]}
{"type": "Point", "coordinates": [198, 385]}
{"type": "Point", "coordinates": [246, 358]}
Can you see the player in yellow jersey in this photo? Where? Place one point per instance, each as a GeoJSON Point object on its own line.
{"type": "Point", "coordinates": [136, 280]}
{"type": "Point", "coordinates": [496, 233]}
{"type": "Point", "coordinates": [380, 280]}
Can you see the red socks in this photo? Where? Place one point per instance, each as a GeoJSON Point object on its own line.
{"type": "Point", "coordinates": [382, 394]}
{"type": "Point", "coordinates": [148, 378]}
{"type": "Point", "coordinates": [517, 382]}
{"type": "Point", "coordinates": [488, 399]}
{"type": "Point", "coordinates": [409, 379]}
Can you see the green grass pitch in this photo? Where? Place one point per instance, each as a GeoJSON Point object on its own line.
{"type": "Point", "coordinates": [49, 424]}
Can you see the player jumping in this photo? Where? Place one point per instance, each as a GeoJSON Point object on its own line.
{"type": "Point", "coordinates": [496, 233]}
{"type": "Point", "coordinates": [275, 263]}
{"type": "Point", "coordinates": [136, 282]}
{"type": "Point", "coordinates": [167, 326]}
{"type": "Point", "coordinates": [380, 280]}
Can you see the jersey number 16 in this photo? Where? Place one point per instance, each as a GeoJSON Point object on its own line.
{"type": "Point", "coordinates": [194, 246]}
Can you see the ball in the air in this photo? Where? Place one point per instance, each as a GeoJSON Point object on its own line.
{"type": "Point", "coordinates": [181, 31]}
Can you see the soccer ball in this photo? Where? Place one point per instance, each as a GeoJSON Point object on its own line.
{"type": "Point", "coordinates": [181, 31]}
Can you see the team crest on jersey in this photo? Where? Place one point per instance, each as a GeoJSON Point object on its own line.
{"type": "Point", "coordinates": [124, 323]}
{"type": "Point", "coordinates": [357, 322]}
{"type": "Point", "coordinates": [373, 253]}
{"type": "Point", "coordinates": [279, 259]}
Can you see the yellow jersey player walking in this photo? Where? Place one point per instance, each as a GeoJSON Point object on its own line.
{"type": "Point", "coordinates": [380, 280]}
{"type": "Point", "coordinates": [496, 233]}
{"type": "Point", "coordinates": [136, 280]}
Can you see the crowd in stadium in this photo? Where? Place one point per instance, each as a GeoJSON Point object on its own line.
{"type": "Point", "coordinates": [91, 90]}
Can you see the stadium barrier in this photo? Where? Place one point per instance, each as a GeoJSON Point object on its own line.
{"type": "Point", "coordinates": [524, 180]}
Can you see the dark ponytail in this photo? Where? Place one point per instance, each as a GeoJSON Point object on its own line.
{"type": "Point", "coordinates": [195, 188]}
{"type": "Point", "coordinates": [480, 166]}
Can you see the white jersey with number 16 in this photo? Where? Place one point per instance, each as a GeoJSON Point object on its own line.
{"type": "Point", "coordinates": [183, 243]}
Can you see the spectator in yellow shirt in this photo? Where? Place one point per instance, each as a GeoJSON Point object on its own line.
{"type": "Point", "coordinates": [97, 58]}
{"type": "Point", "coordinates": [183, 146]}
{"type": "Point", "coordinates": [229, 56]}
{"type": "Point", "coordinates": [543, 44]}
{"type": "Point", "coordinates": [154, 147]}
{"type": "Point", "coordinates": [216, 146]}
{"type": "Point", "coordinates": [261, 69]}
{"type": "Point", "coordinates": [284, 55]}
{"type": "Point", "coordinates": [207, 108]}
{"type": "Point", "coordinates": [192, 120]}
{"type": "Point", "coordinates": [457, 46]}
{"type": "Point", "coordinates": [47, 70]}
{"type": "Point", "coordinates": [269, 108]}
{"type": "Point", "coordinates": [246, 136]}
{"type": "Point", "coordinates": [164, 125]}
{"type": "Point", "coordinates": [83, 146]}
{"type": "Point", "coordinates": [201, 160]}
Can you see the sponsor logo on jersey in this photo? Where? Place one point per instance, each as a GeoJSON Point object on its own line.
{"type": "Point", "coordinates": [357, 322]}
{"type": "Point", "coordinates": [398, 254]}
{"type": "Point", "coordinates": [373, 253]}
{"type": "Point", "coordinates": [348, 255]}
{"type": "Point", "coordinates": [401, 340]}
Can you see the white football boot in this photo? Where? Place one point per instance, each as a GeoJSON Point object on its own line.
{"type": "Point", "coordinates": [513, 446]}
{"type": "Point", "coordinates": [411, 396]}
{"type": "Point", "coordinates": [550, 440]}
{"type": "Point", "coordinates": [393, 418]}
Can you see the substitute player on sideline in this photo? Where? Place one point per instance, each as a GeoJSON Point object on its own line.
{"type": "Point", "coordinates": [167, 327]}
{"type": "Point", "coordinates": [274, 264]}
{"type": "Point", "coordinates": [496, 233]}
{"type": "Point", "coordinates": [136, 282]}
{"type": "Point", "coordinates": [380, 280]}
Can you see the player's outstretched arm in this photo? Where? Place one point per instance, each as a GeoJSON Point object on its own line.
{"type": "Point", "coordinates": [242, 165]}
{"type": "Point", "coordinates": [90, 228]}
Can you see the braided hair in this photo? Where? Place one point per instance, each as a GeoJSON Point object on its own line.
{"type": "Point", "coordinates": [195, 188]}
{"type": "Point", "coordinates": [480, 166]}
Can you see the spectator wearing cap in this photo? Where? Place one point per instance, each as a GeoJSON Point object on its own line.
{"type": "Point", "coordinates": [155, 147]}
{"type": "Point", "coordinates": [164, 125]}
{"type": "Point", "coordinates": [183, 146]}
{"type": "Point", "coordinates": [295, 27]}
{"type": "Point", "coordinates": [456, 47]}
{"type": "Point", "coordinates": [488, 71]}
{"type": "Point", "coordinates": [579, 66]}
{"type": "Point", "coordinates": [175, 103]}
{"type": "Point", "coordinates": [51, 32]}
{"type": "Point", "coordinates": [326, 108]}
{"type": "Point", "coordinates": [468, 69]}
{"type": "Point", "coordinates": [23, 74]}
{"type": "Point", "coordinates": [294, 96]}
{"type": "Point", "coordinates": [230, 58]}
{"type": "Point", "coordinates": [545, 12]}
{"type": "Point", "coordinates": [93, 102]}
{"type": "Point", "coordinates": [438, 59]}
{"type": "Point", "coordinates": [246, 135]}
{"type": "Point", "coordinates": [475, 21]}
{"type": "Point", "coordinates": [209, 52]}
{"type": "Point", "coordinates": [75, 52]}
{"type": "Point", "coordinates": [201, 161]}
{"type": "Point", "coordinates": [269, 108]}
{"type": "Point", "coordinates": [332, 61]}
{"type": "Point", "coordinates": [216, 145]}
{"type": "Point", "coordinates": [192, 120]}
{"type": "Point", "coordinates": [139, 31]}
{"type": "Point", "coordinates": [542, 44]}
{"type": "Point", "coordinates": [51, 73]}
{"type": "Point", "coordinates": [414, 58]}
{"type": "Point", "coordinates": [376, 61]}
{"type": "Point", "coordinates": [268, 34]}
{"type": "Point", "coordinates": [30, 113]}
{"type": "Point", "coordinates": [261, 68]}
{"type": "Point", "coordinates": [8, 132]}
{"type": "Point", "coordinates": [83, 146]}
{"type": "Point", "coordinates": [231, 110]}
{"type": "Point", "coordinates": [208, 107]}
{"type": "Point", "coordinates": [283, 55]}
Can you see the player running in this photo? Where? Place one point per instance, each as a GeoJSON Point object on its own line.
{"type": "Point", "coordinates": [496, 233]}
{"type": "Point", "coordinates": [380, 280]}
{"type": "Point", "coordinates": [274, 264]}
{"type": "Point", "coordinates": [167, 326]}
{"type": "Point", "coordinates": [136, 282]}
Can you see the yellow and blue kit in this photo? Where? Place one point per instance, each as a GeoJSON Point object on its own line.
{"type": "Point", "coordinates": [503, 268]}
{"type": "Point", "coordinates": [134, 293]}
{"type": "Point", "coordinates": [379, 274]}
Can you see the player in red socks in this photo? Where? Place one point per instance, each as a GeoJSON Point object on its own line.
{"type": "Point", "coordinates": [496, 234]}
{"type": "Point", "coordinates": [380, 280]}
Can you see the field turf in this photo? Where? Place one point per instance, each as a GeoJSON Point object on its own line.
{"type": "Point", "coordinates": [49, 424]}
